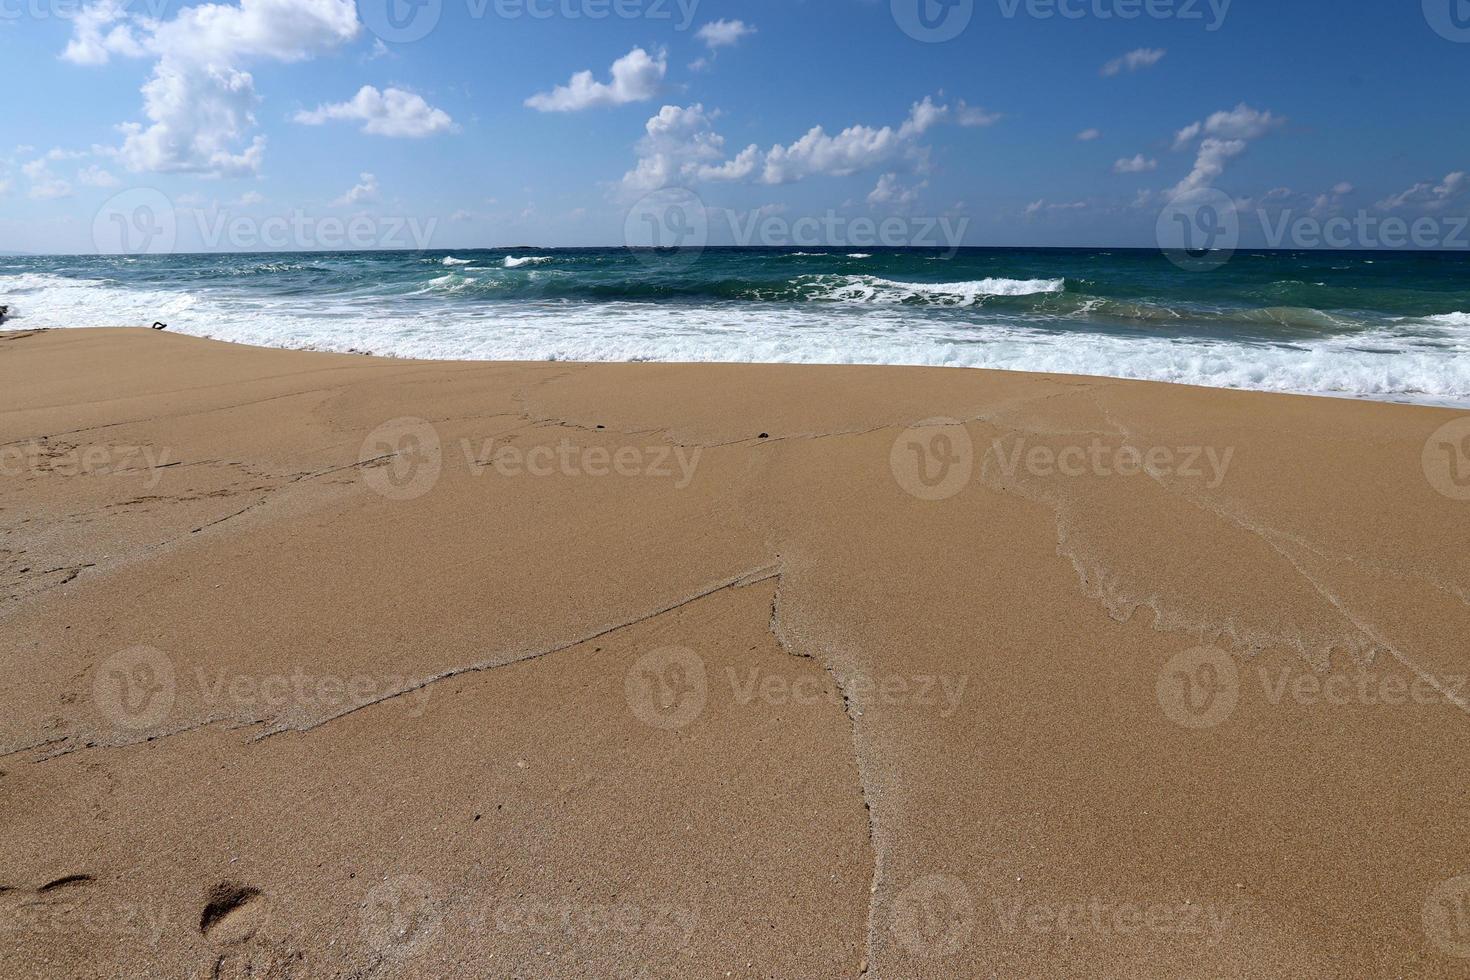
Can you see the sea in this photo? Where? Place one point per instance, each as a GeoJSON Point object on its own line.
{"type": "Point", "coordinates": [1391, 326]}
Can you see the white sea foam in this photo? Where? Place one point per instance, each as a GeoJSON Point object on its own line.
{"type": "Point", "coordinates": [451, 260]}
{"type": "Point", "coordinates": [1449, 319]}
{"type": "Point", "coordinates": [516, 261]}
{"type": "Point", "coordinates": [859, 255]}
{"type": "Point", "coordinates": [871, 289]}
{"type": "Point", "coordinates": [1401, 362]}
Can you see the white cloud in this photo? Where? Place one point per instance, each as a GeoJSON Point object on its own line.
{"type": "Point", "coordinates": [1428, 195]}
{"type": "Point", "coordinates": [1209, 164]}
{"type": "Point", "coordinates": [636, 77]}
{"type": "Point", "coordinates": [199, 104]}
{"type": "Point", "coordinates": [723, 33]}
{"type": "Point", "coordinates": [681, 144]}
{"type": "Point", "coordinates": [1227, 134]}
{"type": "Point", "coordinates": [890, 191]}
{"type": "Point", "coordinates": [922, 116]}
{"type": "Point", "coordinates": [391, 112]}
{"type": "Point", "coordinates": [1043, 206]}
{"type": "Point", "coordinates": [1133, 61]}
{"type": "Point", "coordinates": [855, 148]}
{"type": "Point", "coordinates": [1088, 135]}
{"type": "Point", "coordinates": [95, 176]}
{"type": "Point", "coordinates": [973, 115]}
{"type": "Point", "coordinates": [741, 166]}
{"type": "Point", "coordinates": [46, 185]}
{"type": "Point", "coordinates": [1187, 135]}
{"type": "Point", "coordinates": [97, 35]}
{"type": "Point", "coordinates": [365, 191]}
{"type": "Point", "coordinates": [1135, 165]}
{"type": "Point", "coordinates": [678, 141]}
{"type": "Point", "coordinates": [1241, 123]}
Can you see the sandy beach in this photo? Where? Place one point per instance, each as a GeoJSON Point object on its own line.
{"type": "Point", "coordinates": [328, 665]}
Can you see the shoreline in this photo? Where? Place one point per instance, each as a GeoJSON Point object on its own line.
{"type": "Point", "coordinates": [1351, 397]}
{"type": "Point", "coordinates": [335, 664]}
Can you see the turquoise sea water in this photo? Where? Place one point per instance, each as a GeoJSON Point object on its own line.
{"type": "Point", "coordinates": [1386, 325]}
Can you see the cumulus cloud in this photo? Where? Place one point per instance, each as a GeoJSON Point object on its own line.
{"type": "Point", "coordinates": [723, 33]}
{"type": "Point", "coordinates": [1088, 135]}
{"type": "Point", "coordinates": [1133, 61]}
{"type": "Point", "coordinates": [1428, 195]}
{"type": "Point", "coordinates": [635, 77]}
{"type": "Point", "coordinates": [1226, 134]}
{"type": "Point", "coordinates": [391, 112]}
{"type": "Point", "coordinates": [890, 191]}
{"type": "Point", "coordinates": [678, 141]}
{"type": "Point", "coordinates": [95, 176]}
{"type": "Point", "coordinates": [1043, 206]}
{"type": "Point", "coordinates": [680, 144]}
{"type": "Point", "coordinates": [973, 115]}
{"type": "Point", "coordinates": [365, 191]}
{"type": "Point", "coordinates": [1135, 165]}
{"type": "Point", "coordinates": [199, 103]}
{"type": "Point", "coordinates": [97, 35]}
{"type": "Point", "coordinates": [45, 185]}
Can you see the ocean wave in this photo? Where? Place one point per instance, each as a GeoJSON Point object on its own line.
{"type": "Point", "coordinates": [1070, 325]}
{"type": "Point", "coordinates": [1448, 319]}
{"type": "Point", "coordinates": [451, 260]}
{"type": "Point", "coordinates": [516, 261]}
{"type": "Point", "coordinates": [871, 289]}
{"type": "Point", "coordinates": [859, 255]}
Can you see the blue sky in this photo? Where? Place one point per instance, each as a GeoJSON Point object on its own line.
{"type": "Point", "coordinates": [480, 129]}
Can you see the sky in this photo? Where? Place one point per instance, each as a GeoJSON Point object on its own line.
{"type": "Point", "coordinates": [460, 123]}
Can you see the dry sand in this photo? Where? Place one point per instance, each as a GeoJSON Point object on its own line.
{"type": "Point", "coordinates": [322, 665]}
